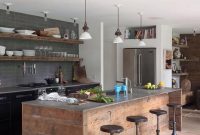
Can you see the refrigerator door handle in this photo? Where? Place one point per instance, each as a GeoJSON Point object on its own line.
{"type": "Point", "coordinates": [139, 69]}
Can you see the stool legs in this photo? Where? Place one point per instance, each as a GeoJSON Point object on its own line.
{"type": "Point", "coordinates": [137, 128]}
{"type": "Point", "coordinates": [174, 121]}
{"type": "Point", "coordinates": [158, 129]}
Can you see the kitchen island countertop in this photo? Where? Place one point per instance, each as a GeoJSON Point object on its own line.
{"type": "Point", "coordinates": [138, 93]}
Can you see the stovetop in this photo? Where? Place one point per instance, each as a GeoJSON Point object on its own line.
{"type": "Point", "coordinates": [33, 85]}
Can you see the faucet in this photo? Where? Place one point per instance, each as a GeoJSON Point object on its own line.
{"type": "Point", "coordinates": [127, 82]}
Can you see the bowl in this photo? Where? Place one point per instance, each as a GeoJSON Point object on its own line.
{"type": "Point", "coordinates": [9, 53]}
{"type": "Point", "coordinates": [25, 32]}
{"type": "Point", "coordinates": [2, 50]}
{"type": "Point", "coordinates": [6, 30]}
{"type": "Point", "coordinates": [29, 52]}
{"type": "Point", "coordinates": [50, 80]}
{"type": "Point", "coordinates": [18, 53]}
{"type": "Point", "coordinates": [56, 36]}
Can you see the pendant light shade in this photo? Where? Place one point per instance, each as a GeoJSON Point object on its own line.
{"type": "Point", "coordinates": [85, 35]}
{"type": "Point", "coordinates": [141, 42]}
{"type": "Point", "coordinates": [118, 33]}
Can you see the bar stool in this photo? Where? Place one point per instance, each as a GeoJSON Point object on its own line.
{"type": "Point", "coordinates": [174, 106]}
{"type": "Point", "coordinates": [158, 112]}
{"type": "Point", "coordinates": [136, 120]}
{"type": "Point", "coordinates": [112, 129]}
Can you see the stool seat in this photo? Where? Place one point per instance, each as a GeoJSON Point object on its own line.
{"type": "Point", "coordinates": [158, 112]}
{"type": "Point", "coordinates": [136, 119]}
{"type": "Point", "coordinates": [112, 129]}
{"type": "Point", "coordinates": [174, 105]}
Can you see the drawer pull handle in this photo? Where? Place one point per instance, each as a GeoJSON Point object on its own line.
{"type": "Point", "coordinates": [22, 96]}
{"type": "Point", "coordinates": [3, 98]}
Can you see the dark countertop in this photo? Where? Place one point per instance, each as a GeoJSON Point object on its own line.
{"type": "Point", "coordinates": [137, 94]}
{"type": "Point", "coordinates": [14, 89]}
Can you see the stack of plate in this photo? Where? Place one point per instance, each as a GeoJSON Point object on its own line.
{"type": "Point", "coordinates": [25, 32]}
{"type": "Point", "coordinates": [6, 30]}
{"type": "Point", "coordinates": [2, 50]}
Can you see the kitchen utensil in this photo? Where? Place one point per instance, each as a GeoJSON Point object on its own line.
{"type": "Point", "coordinates": [2, 50]}
{"type": "Point", "coordinates": [29, 52]}
{"type": "Point", "coordinates": [25, 32]}
{"type": "Point", "coordinates": [18, 53]}
{"type": "Point", "coordinates": [9, 53]}
{"type": "Point", "coordinates": [6, 30]}
{"type": "Point", "coordinates": [50, 80]}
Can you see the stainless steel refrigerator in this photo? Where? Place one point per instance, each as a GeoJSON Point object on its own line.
{"type": "Point", "coordinates": [139, 65]}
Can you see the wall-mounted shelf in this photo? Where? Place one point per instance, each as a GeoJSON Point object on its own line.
{"type": "Point", "coordinates": [38, 38]}
{"type": "Point", "coordinates": [37, 58]}
{"type": "Point", "coordinates": [186, 60]}
{"type": "Point", "coordinates": [179, 74]}
{"type": "Point", "coordinates": [147, 32]}
{"type": "Point", "coordinates": [180, 46]}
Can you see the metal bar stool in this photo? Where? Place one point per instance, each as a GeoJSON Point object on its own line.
{"type": "Point", "coordinates": [174, 106]}
{"type": "Point", "coordinates": [112, 129]}
{"type": "Point", "coordinates": [158, 112]}
{"type": "Point", "coordinates": [136, 120]}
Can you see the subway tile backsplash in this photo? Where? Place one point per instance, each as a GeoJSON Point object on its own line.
{"type": "Point", "coordinates": [11, 72]}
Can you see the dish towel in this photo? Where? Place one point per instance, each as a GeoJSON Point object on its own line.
{"type": "Point", "coordinates": [54, 96]}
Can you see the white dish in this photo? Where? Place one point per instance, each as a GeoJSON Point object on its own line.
{"type": "Point", "coordinates": [56, 36]}
{"type": "Point", "coordinates": [2, 50]}
{"type": "Point", "coordinates": [7, 30]}
{"type": "Point", "coordinates": [9, 53]}
{"type": "Point", "coordinates": [18, 53]}
{"type": "Point", "coordinates": [25, 32]}
{"type": "Point", "coordinates": [29, 52]}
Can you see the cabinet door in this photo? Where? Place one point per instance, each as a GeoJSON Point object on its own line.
{"type": "Point", "coordinates": [17, 100]}
{"type": "Point", "coordinates": [5, 114]}
{"type": "Point", "coordinates": [5, 127]}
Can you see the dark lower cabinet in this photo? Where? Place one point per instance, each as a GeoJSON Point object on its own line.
{"type": "Point", "coordinates": [17, 99]}
{"type": "Point", "coordinates": [5, 114]}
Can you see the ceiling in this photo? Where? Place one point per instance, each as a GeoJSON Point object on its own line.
{"type": "Point", "coordinates": [182, 15]}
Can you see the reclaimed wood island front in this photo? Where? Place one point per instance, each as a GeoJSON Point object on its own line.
{"type": "Point", "coordinates": [58, 118]}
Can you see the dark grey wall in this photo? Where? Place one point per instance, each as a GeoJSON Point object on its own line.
{"type": "Point", "coordinates": [11, 72]}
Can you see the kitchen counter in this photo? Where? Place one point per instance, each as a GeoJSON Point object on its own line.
{"type": "Point", "coordinates": [86, 119]}
{"type": "Point", "coordinates": [14, 89]}
{"type": "Point", "coordinates": [137, 94]}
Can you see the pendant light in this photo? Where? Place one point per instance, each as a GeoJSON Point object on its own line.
{"type": "Point", "coordinates": [85, 35]}
{"type": "Point", "coordinates": [141, 42]}
{"type": "Point", "coordinates": [118, 33]}
{"type": "Point", "coordinates": [7, 4]}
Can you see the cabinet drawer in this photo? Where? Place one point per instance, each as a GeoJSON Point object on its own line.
{"type": "Point", "coordinates": [24, 96]}
{"type": "Point", "coordinates": [4, 98]}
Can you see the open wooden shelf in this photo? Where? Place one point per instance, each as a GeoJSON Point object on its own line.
{"type": "Point", "coordinates": [38, 38]}
{"type": "Point", "coordinates": [37, 58]}
{"type": "Point", "coordinates": [181, 46]}
{"type": "Point", "coordinates": [179, 74]}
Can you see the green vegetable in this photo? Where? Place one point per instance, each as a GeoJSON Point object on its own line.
{"type": "Point", "coordinates": [99, 95]}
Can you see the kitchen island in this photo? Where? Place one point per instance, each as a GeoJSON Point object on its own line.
{"type": "Point", "coordinates": [58, 118]}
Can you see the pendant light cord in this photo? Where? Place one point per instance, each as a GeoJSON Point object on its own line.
{"type": "Point", "coordinates": [118, 17]}
{"type": "Point", "coordinates": [85, 11]}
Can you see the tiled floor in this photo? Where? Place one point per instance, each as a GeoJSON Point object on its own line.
{"type": "Point", "coordinates": [191, 124]}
